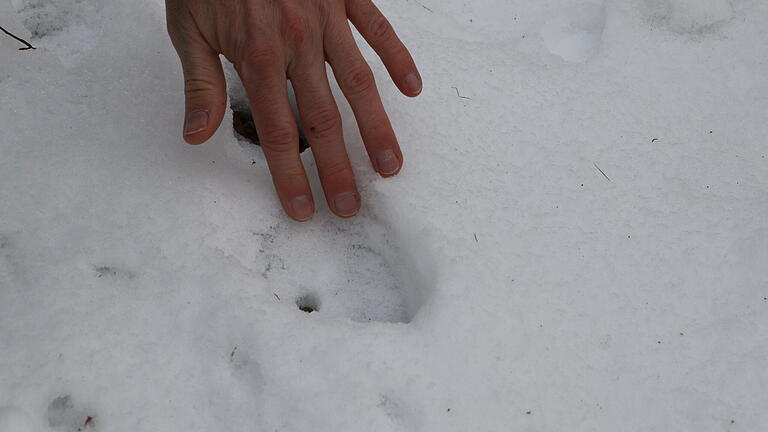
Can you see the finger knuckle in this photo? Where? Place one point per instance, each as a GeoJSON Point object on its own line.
{"type": "Point", "coordinates": [322, 8]}
{"type": "Point", "coordinates": [280, 139]}
{"type": "Point", "coordinates": [295, 28]}
{"type": "Point", "coordinates": [323, 123]}
{"type": "Point", "coordinates": [194, 86]}
{"type": "Point", "coordinates": [396, 49]}
{"type": "Point", "coordinates": [380, 28]}
{"type": "Point", "coordinates": [359, 80]}
{"type": "Point", "coordinates": [257, 54]}
{"type": "Point", "coordinates": [338, 169]}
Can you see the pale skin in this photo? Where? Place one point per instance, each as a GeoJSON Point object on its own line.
{"type": "Point", "coordinates": [271, 41]}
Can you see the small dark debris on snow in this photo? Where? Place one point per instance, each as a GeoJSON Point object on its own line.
{"type": "Point", "coordinates": [601, 171]}
{"type": "Point", "coordinates": [422, 5]}
{"type": "Point", "coordinates": [459, 94]}
{"type": "Point", "coordinates": [87, 424]}
{"type": "Point", "coordinates": [102, 271]}
{"type": "Point", "coordinates": [27, 45]}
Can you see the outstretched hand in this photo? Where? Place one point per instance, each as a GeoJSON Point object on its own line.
{"type": "Point", "coordinates": [271, 41]}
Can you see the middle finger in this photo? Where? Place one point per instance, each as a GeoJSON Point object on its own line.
{"type": "Point", "coordinates": [321, 122]}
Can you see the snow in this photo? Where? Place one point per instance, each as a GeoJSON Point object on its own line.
{"type": "Point", "coordinates": [578, 240]}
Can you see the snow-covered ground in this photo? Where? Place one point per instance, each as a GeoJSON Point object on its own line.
{"type": "Point", "coordinates": [578, 240]}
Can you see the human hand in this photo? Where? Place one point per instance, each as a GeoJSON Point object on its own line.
{"type": "Point", "coordinates": [271, 41]}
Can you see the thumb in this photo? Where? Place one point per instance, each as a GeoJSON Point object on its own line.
{"type": "Point", "coordinates": [205, 91]}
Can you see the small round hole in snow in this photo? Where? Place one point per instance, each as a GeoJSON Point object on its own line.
{"type": "Point", "coordinates": [308, 303]}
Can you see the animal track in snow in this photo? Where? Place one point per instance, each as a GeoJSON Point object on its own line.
{"type": "Point", "coordinates": [107, 271]}
{"type": "Point", "coordinates": [400, 414]}
{"type": "Point", "coordinates": [351, 269]}
{"type": "Point", "coordinates": [69, 27]}
{"type": "Point", "coordinates": [575, 34]}
{"type": "Point", "coordinates": [63, 415]}
{"type": "Point", "coordinates": [48, 17]}
{"type": "Point", "coordinates": [692, 17]}
{"type": "Point", "coordinates": [245, 368]}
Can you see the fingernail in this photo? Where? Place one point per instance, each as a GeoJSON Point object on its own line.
{"type": "Point", "coordinates": [196, 121]}
{"type": "Point", "coordinates": [302, 208]}
{"type": "Point", "coordinates": [413, 83]}
{"type": "Point", "coordinates": [346, 204]}
{"type": "Point", "coordinates": [387, 163]}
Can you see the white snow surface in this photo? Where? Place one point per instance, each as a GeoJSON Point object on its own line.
{"type": "Point", "coordinates": [578, 240]}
